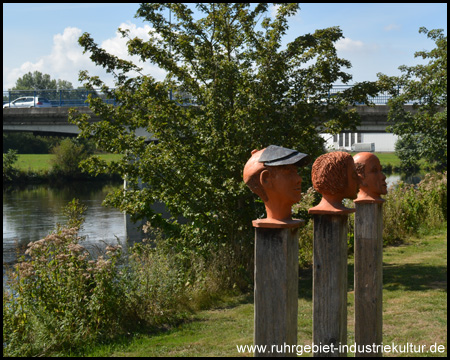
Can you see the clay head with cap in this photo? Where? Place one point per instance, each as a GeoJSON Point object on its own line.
{"type": "Point", "coordinates": [372, 180]}
{"type": "Point", "coordinates": [272, 174]}
{"type": "Point", "coordinates": [334, 176]}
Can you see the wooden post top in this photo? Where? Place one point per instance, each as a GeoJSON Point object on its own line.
{"type": "Point", "coordinates": [278, 224]}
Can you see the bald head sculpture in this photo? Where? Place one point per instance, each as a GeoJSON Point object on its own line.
{"type": "Point", "coordinates": [272, 174]}
{"type": "Point", "coordinates": [372, 180]}
{"type": "Point", "coordinates": [334, 176]}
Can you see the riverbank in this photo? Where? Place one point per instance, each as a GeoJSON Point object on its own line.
{"type": "Point", "coordinates": [414, 311]}
{"type": "Point", "coordinates": [42, 162]}
{"type": "Point", "coordinates": [37, 169]}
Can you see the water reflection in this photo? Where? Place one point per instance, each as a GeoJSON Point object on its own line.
{"type": "Point", "coordinates": [392, 179]}
{"type": "Point", "coordinates": [31, 213]}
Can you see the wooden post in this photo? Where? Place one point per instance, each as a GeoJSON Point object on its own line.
{"type": "Point", "coordinates": [368, 276]}
{"type": "Point", "coordinates": [276, 290]}
{"type": "Point", "coordinates": [330, 284]}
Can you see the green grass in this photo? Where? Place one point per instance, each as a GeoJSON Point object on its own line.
{"type": "Point", "coordinates": [385, 158]}
{"type": "Point", "coordinates": [34, 162]}
{"type": "Point", "coordinates": [414, 311]}
{"type": "Point", "coordinates": [42, 162]}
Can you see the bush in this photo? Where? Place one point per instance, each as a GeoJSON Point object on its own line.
{"type": "Point", "coordinates": [27, 143]}
{"type": "Point", "coordinates": [408, 210]}
{"type": "Point", "coordinates": [58, 298]}
{"type": "Point", "coordinates": [155, 288]}
{"type": "Point", "coordinates": [68, 155]}
{"type": "Point", "coordinates": [433, 191]}
{"type": "Point", "coordinates": [9, 172]}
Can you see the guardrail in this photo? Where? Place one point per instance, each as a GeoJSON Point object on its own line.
{"type": "Point", "coordinates": [59, 98]}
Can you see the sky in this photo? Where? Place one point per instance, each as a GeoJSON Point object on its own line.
{"type": "Point", "coordinates": [43, 37]}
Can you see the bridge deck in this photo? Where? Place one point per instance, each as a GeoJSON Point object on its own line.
{"type": "Point", "coordinates": [373, 119]}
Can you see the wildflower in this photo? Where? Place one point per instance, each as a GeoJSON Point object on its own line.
{"type": "Point", "coordinates": [35, 246]}
{"type": "Point", "coordinates": [102, 264]}
{"type": "Point", "coordinates": [146, 227]}
{"type": "Point", "coordinates": [81, 257]}
{"type": "Point", "coordinates": [25, 269]}
{"type": "Point", "coordinates": [110, 250]}
{"type": "Point", "coordinates": [75, 248]}
{"type": "Point", "coordinates": [62, 256]}
{"type": "Point", "coordinates": [69, 232]}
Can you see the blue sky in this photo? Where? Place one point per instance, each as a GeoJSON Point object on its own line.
{"type": "Point", "coordinates": [43, 36]}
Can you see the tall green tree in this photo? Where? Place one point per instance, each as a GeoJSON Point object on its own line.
{"type": "Point", "coordinates": [248, 91]}
{"type": "Point", "coordinates": [40, 81]}
{"type": "Point", "coordinates": [424, 132]}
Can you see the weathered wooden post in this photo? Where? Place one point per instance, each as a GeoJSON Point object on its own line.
{"type": "Point", "coordinates": [272, 174]}
{"type": "Point", "coordinates": [334, 176]}
{"type": "Point", "coordinates": [369, 255]}
{"type": "Point", "coordinates": [276, 290]}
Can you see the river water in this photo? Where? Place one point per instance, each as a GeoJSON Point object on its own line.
{"type": "Point", "coordinates": [31, 213]}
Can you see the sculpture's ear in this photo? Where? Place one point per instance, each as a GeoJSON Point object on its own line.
{"type": "Point", "coordinates": [361, 179]}
{"type": "Point", "coordinates": [265, 178]}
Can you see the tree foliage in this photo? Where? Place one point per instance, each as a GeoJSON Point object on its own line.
{"type": "Point", "coordinates": [424, 133]}
{"type": "Point", "coordinates": [249, 92]}
{"type": "Point", "coordinates": [39, 81]}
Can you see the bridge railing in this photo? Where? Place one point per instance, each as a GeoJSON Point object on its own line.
{"type": "Point", "coordinates": [58, 98]}
{"type": "Point", "coordinates": [78, 97]}
{"type": "Point", "coordinates": [380, 99]}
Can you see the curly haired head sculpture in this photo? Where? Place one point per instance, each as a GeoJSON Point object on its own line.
{"type": "Point", "coordinates": [373, 181]}
{"type": "Point", "coordinates": [334, 176]}
{"type": "Point", "coordinates": [272, 174]}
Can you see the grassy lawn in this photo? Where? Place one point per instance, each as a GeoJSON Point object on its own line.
{"type": "Point", "coordinates": [41, 162]}
{"type": "Point", "coordinates": [34, 162]}
{"type": "Point", "coordinates": [386, 158]}
{"type": "Point", "coordinates": [414, 311]}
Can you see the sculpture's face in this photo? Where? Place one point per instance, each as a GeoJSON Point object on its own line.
{"type": "Point", "coordinates": [285, 184]}
{"type": "Point", "coordinates": [374, 182]}
{"type": "Point", "coordinates": [352, 189]}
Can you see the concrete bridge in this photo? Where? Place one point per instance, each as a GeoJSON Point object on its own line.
{"type": "Point", "coordinates": [54, 120]}
{"type": "Point", "coordinates": [50, 121]}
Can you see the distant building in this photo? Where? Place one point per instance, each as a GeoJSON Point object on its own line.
{"type": "Point", "coordinates": [383, 142]}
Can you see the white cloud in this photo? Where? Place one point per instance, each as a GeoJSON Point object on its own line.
{"type": "Point", "coordinates": [274, 10]}
{"type": "Point", "coordinates": [391, 27]}
{"type": "Point", "coordinates": [348, 44]}
{"type": "Point", "coordinates": [67, 59]}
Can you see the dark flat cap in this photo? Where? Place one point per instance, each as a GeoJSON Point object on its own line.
{"type": "Point", "coordinates": [275, 155]}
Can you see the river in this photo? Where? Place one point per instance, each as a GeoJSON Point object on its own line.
{"type": "Point", "coordinates": [31, 213]}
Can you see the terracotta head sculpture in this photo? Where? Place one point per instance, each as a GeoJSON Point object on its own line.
{"type": "Point", "coordinates": [372, 180]}
{"type": "Point", "coordinates": [272, 174]}
{"type": "Point", "coordinates": [334, 176]}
